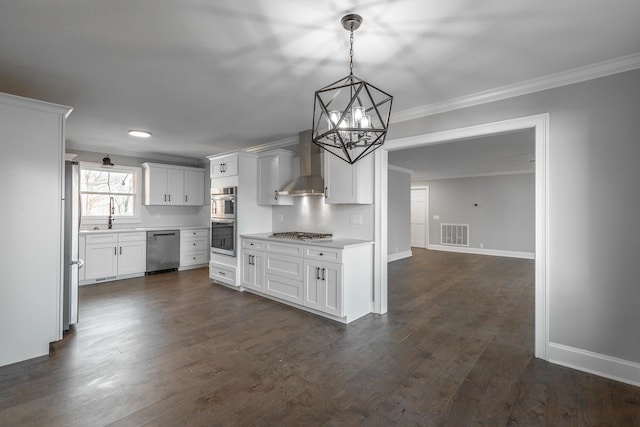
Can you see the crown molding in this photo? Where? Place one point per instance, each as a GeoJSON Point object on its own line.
{"type": "Point", "coordinates": [271, 145]}
{"type": "Point", "coordinates": [145, 156]}
{"type": "Point", "coordinates": [400, 169]}
{"type": "Point", "coordinates": [576, 75]}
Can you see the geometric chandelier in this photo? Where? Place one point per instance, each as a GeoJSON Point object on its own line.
{"type": "Point", "coordinates": [350, 116]}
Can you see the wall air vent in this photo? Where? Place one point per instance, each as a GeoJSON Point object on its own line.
{"type": "Point", "coordinates": [454, 234]}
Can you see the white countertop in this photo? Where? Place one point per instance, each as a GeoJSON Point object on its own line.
{"type": "Point", "coordinates": [336, 242]}
{"type": "Point", "coordinates": [129, 230]}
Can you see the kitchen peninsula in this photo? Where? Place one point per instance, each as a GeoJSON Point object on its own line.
{"type": "Point", "coordinates": [331, 277]}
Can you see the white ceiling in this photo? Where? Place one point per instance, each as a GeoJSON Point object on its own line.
{"type": "Point", "coordinates": [212, 76]}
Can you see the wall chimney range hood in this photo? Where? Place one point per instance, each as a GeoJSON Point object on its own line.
{"type": "Point", "coordinates": [309, 182]}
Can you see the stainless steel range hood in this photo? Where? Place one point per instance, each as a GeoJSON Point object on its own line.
{"type": "Point", "coordinates": [309, 182]}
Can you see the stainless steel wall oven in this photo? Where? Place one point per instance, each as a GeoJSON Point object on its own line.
{"type": "Point", "coordinates": [223, 236]}
{"type": "Point", "coordinates": [223, 202]}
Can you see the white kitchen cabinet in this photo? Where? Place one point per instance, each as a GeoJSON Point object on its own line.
{"type": "Point", "coordinates": [332, 280]}
{"type": "Point", "coordinates": [109, 256]}
{"type": "Point", "coordinates": [224, 166]}
{"type": "Point", "coordinates": [284, 288]}
{"type": "Point", "coordinates": [194, 187]}
{"type": "Point", "coordinates": [253, 275]}
{"type": "Point", "coordinates": [275, 170]}
{"type": "Point", "coordinates": [323, 287]}
{"type": "Point", "coordinates": [132, 253]}
{"type": "Point", "coordinates": [173, 185]}
{"type": "Point", "coordinates": [194, 248]}
{"type": "Point", "coordinates": [348, 184]}
{"type": "Point", "coordinates": [223, 273]}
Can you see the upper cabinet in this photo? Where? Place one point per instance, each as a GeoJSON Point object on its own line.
{"type": "Point", "coordinates": [348, 184]}
{"type": "Point", "coordinates": [194, 187]}
{"type": "Point", "coordinates": [275, 170]}
{"type": "Point", "coordinates": [173, 185]}
{"type": "Point", "coordinates": [224, 166]}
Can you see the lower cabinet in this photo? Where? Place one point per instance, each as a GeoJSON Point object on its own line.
{"type": "Point", "coordinates": [334, 282]}
{"type": "Point", "coordinates": [222, 273]}
{"type": "Point", "coordinates": [252, 275]}
{"type": "Point", "coordinates": [110, 255]}
{"type": "Point", "coordinates": [323, 287]}
{"type": "Point", "coordinates": [194, 248]}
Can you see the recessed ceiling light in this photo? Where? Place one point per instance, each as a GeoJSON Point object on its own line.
{"type": "Point", "coordinates": [139, 133]}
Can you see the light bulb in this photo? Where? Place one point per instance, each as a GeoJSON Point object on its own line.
{"type": "Point", "coordinates": [358, 113]}
{"type": "Point", "coordinates": [365, 122]}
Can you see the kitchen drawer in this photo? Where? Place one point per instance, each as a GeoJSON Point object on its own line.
{"type": "Point", "coordinates": [291, 249]}
{"type": "Point", "coordinates": [284, 288]}
{"type": "Point", "coordinates": [257, 245]}
{"type": "Point", "coordinates": [92, 239]}
{"type": "Point", "coordinates": [323, 254]}
{"type": "Point", "coordinates": [194, 258]}
{"type": "Point", "coordinates": [185, 234]}
{"type": "Point", "coordinates": [133, 237]}
{"type": "Point", "coordinates": [284, 266]}
{"type": "Point", "coordinates": [190, 245]}
{"type": "Point", "coordinates": [222, 273]}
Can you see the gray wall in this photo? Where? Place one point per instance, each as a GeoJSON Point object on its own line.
{"type": "Point", "coordinates": [594, 242]}
{"type": "Point", "coordinates": [399, 212]}
{"type": "Point", "coordinates": [504, 218]}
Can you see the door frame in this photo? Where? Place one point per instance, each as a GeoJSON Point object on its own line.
{"type": "Point", "coordinates": [540, 124]}
{"type": "Point", "coordinates": [426, 212]}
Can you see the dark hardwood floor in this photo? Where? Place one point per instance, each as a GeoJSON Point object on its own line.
{"type": "Point", "coordinates": [456, 348]}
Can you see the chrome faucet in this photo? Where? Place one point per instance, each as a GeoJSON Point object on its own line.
{"type": "Point", "coordinates": [111, 212]}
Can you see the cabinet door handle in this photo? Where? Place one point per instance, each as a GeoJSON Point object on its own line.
{"type": "Point", "coordinates": [115, 250]}
{"type": "Point", "coordinates": [185, 198]}
{"type": "Point", "coordinates": [276, 196]}
{"type": "Point", "coordinates": [318, 273]}
{"type": "Point", "coordinates": [169, 197]}
{"type": "Point", "coordinates": [323, 274]}
{"type": "Point", "coordinates": [326, 192]}
{"type": "Point", "coordinates": [120, 250]}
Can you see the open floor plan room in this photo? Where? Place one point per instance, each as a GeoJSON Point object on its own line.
{"type": "Point", "coordinates": [455, 348]}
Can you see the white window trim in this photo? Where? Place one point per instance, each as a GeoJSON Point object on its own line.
{"type": "Point", "coordinates": [118, 219]}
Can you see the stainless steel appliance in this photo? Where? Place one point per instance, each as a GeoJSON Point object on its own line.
{"type": "Point", "coordinates": [223, 236]}
{"type": "Point", "coordinates": [302, 235]}
{"type": "Point", "coordinates": [71, 262]}
{"type": "Point", "coordinates": [163, 250]}
{"type": "Point", "coordinates": [223, 202]}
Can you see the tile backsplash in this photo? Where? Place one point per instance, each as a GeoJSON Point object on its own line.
{"type": "Point", "coordinates": [310, 213]}
{"type": "Point", "coordinates": [164, 216]}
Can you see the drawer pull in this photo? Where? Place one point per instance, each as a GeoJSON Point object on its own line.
{"type": "Point", "coordinates": [221, 273]}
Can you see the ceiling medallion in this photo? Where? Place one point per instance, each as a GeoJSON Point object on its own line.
{"type": "Point", "coordinates": [350, 116]}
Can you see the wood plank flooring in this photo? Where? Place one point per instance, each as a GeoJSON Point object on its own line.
{"type": "Point", "coordinates": [455, 349]}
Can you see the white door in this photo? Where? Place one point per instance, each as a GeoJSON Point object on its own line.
{"type": "Point", "coordinates": [419, 209]}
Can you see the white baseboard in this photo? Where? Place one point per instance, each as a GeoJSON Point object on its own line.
{"type": "Point", "coordinates": [399, 255]}
{"type": "Point", "coordinates": [479, 251]}
{"type": "Point", "coordinates": [594, 363]}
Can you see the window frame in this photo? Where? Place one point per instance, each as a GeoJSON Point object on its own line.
{"type": "Point", "coordinates": [136, 218]}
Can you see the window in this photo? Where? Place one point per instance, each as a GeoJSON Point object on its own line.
{"type": "Point", "coordinates": [101, 188]}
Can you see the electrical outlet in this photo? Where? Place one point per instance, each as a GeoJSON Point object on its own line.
{"type": "Point", "coordinates": [356, 219]}
{"type": "Point", "coordinates": [436, 217]}
{"type": "Point", "coordinates": [481, 245]}
{"type": "Point", "coordinates": [281, 217]}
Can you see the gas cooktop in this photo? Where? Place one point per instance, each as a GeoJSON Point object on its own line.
{"type": "Point", "coordinates": [302, 235]}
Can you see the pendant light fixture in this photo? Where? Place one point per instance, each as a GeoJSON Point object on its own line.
{"type": "Point", "coordinates": [350, 116]}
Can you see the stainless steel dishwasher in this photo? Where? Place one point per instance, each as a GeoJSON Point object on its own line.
{"type": "Point", "coordinates": [163, 250]}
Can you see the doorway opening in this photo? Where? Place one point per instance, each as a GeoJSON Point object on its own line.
{"type": "Point", "coordinates": [539, 124]}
